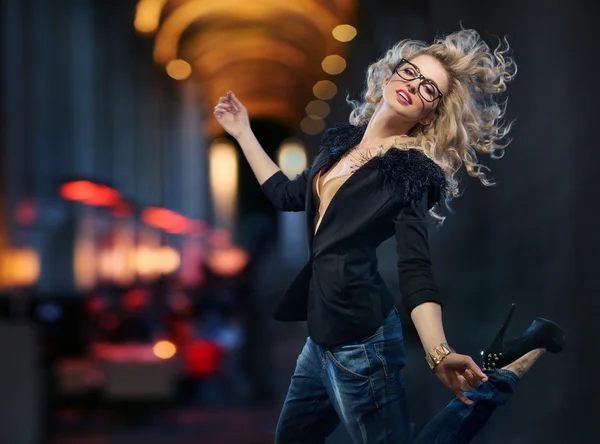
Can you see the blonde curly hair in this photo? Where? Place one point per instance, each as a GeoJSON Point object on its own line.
{"type": "Point", "coordinates": [469, 117]}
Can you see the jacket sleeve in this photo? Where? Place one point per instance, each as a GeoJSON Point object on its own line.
{"type": "Point", "coordinates": [415, 273]}
{"type": "Point", "coordinates": [286, 194]}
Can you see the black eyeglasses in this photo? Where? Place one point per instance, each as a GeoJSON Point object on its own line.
{"type": "Point", "coordinates": [428, 90]}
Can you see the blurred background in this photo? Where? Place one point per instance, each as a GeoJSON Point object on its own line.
{"type": "Point", "coordinates": [140, 261]}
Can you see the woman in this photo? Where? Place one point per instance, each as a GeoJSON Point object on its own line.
{"type": "Point", "coordinates": [427, 110]}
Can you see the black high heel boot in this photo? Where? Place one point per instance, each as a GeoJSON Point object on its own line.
{"type": "Point", "coordinates": [542, 333]}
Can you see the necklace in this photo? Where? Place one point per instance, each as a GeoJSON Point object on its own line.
{"type": "Point", "coordinates": [356, 159]}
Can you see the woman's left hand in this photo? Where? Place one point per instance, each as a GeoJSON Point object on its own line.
{"type": "Point", "coordinates": [460, 373]}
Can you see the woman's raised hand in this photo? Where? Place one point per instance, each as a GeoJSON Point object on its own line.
{"type": "Point", "coordinates": [232, 115]}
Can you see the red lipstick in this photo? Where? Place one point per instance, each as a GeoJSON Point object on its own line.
{"type": "Point", "coordinates": [404, 96]}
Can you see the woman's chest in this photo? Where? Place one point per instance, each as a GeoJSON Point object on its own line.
{"type": "Point", "coordinates": [351, 202]}
{"type": "Point", "coordinates": [347, 165]}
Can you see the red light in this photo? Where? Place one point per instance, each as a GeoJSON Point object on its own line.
{"type": "Point", "coordinates": [165, 219]}
{"type": "Point", "coordinates": [177, 224]}
{"type": "Point", "coordinates": [103, 196]}
{"type": "Point", "coordinates": [89, 193]}
{"type": "Point", "coordinates": [202, 358]}
{"type": "Point", "coordinates": [134, 299]}
{"type": "Point", "coordinates": [78, 190]}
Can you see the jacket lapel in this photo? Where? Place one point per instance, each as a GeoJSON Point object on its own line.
{"type": "Point", "coordinates": [335, 142]}
{"type": "Point", "coordinates": [407, 173]}
{"type": "Point", "coordinates": [322, 160]}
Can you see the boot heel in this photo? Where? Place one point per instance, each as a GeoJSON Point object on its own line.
{"type": "Point", "coordinates": [498, 342]}
{"type": "Point", "coordinates": [542, 333]}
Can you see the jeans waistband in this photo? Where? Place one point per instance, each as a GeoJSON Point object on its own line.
{"type": "Point", "coordinates": [390, 321]}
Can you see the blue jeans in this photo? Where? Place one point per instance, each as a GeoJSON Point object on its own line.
{"type": "Point", "coordinates": [360, 385]}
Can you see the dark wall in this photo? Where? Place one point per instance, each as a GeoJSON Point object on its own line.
{"type": "Point", "coordinates": [532, 239]}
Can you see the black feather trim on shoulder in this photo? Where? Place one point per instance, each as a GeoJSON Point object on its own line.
{"type": "Point", "coordinates": [412, 172]}
{"type": "Point", "coordinates": [403, 171]}
{"type": "Point", "coordinates": [341, 137]}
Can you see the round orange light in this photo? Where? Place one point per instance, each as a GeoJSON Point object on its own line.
{"type": "Point", "coordinates": [312, 125]}
{"type": "Point", "coordinates": [179, 69]}
{"type": "Point", "coordinates": [333, 64]}
{"type": "Point", "coordinates": [324, 89]}
{"type": "Point", "coordinates": [344, 33]}
{"type": "Point", "coordinates": [164, 349]}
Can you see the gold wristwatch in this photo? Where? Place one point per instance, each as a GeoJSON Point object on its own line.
{"type": "Point", "coordinates": [438, 354]}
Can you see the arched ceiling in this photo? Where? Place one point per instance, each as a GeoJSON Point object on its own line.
{"type": "Point", "coordinates": [268, 51]}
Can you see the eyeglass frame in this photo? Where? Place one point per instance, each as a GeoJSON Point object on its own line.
{"type": "Point", "coordinates": [421, 78]}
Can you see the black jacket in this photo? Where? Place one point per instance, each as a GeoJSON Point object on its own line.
{"type": "Point", "coordinates": [339, 291]}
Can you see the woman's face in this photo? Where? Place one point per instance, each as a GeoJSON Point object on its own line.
{"type": "Point", "coordinates": [407, 98]}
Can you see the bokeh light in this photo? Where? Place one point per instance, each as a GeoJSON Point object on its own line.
{"type": "Point", "coordinates": [344, 33]}
{"type": "Point", "coordinates": [223, 179]}
{"type": "Point", "coordinates": [179, 69]}
{"type": "Point", "coordinates": [227, 261]}
{"type": "Point", "coordinates": [324, 89]}
{"type": "Point", "coordinates": [147, 15]}
{"type": "Point", "coordinates": [164, 349]}
{"type": "Point", "coordinates": [318, 108]}
{"type": "Point", "coordinates": [333, 64]}
{"type": "Point", "coordinates": [292, 157]}
{"type": "Point", "coordinates": [312, 125]}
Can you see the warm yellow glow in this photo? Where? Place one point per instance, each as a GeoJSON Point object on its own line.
{"type": "Point", "coordinates": [116, 264]}
{"type": "Point", "coordinates": [268, 51]}
{"type": "Point", "coordinates": [324, 90]}
{"type": "Point", "coordinates": [292, 157]}
{"type": "Point", "coordinates": [333, 64]}
{"type": "Point", "coordinates": [19, 267]}
{"type": "Point", "coordinates": [164, 349]}
{"type": "Point", "coordinates": [153, 261]}
{"type": "Point", "coordinates": [179, 69]}
{"type": "Point", "coordinates": [243, 11]}
{"type": "Point", "coordinates": [145, 262]}
{"type": "Point", "coordinates": [109, 260]}
{"type": "Point", "coordinates": [169, 260]}
{"type": "Point", "coordinates": [318, 108]}
{"type": "Point", "coordinates": [125, 244]}
{"type": "Point", "coordinates": [249, 46]}
{"type": "Point", "coordinates": [227, 261]}
{"type": "Point", "coordinates": [147, 15]}
{"type": "Point", "coordinates": [344, 33]}
{"type": "Point", "coordinates": [84, 262]}
{"type": "Point", "coordinates": [312, 125]}
{"type": "Point", "coordinates": [223, 179]}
